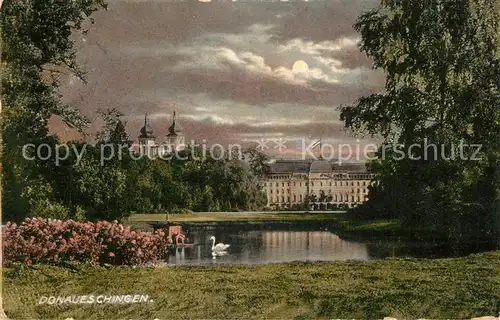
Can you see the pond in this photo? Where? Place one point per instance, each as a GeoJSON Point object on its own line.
{"type": "Point", "coordinates": [274, 243]}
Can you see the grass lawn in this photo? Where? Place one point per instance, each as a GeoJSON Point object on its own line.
{"type": "Point", "coordinates": [236, 216]}
{"type": "Point", "coordinates": [449, 288]}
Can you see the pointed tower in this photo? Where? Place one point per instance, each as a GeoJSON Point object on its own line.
{"type": "Point", "coordinates": [146, 138]}
{"type": "Point", "coordinates": [175, 135]}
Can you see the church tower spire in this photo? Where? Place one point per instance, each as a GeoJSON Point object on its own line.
{"type": "Point", "coordinates": [146, 130]}
{"type": "Point", "coordinates": [175, 135]}
{"type": "Point", "coordinates": [146, 138]}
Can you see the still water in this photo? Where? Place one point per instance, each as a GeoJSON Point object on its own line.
{"type": "Point", "coordinates": [266, 243]}
{"type": "Point", "coordinates": [265, 246]}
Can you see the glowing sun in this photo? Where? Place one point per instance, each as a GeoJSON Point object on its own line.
{"type": "Point", "coordinates": [300, 66]}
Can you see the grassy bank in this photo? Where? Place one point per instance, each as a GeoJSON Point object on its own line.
{"type": "Point", "coordinates": [340, 221]}
{"type": "Point", "coordinates": [449, 288]}
{"type": "Point", "coordinates": [236, 216]}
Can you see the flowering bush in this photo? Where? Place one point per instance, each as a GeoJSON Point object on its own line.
{"type": "Point", "coordinates": [38, 240]}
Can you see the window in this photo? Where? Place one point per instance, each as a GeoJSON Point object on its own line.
{"type": "Point", "coordinates": [352, 198]}
{"type": "Point", "coordinates": [277, 199]}
{"type": "Point", "coordinates": [277, 190]}
{"type": "Point", "coordinates": [294, 184]}
{"type": "Point", "coordinates": [335, 183]}
{"type": "Point", "coordinates": [271, 191]}
{"type": "Point", "coordinates": [300, 184]}
{"type": "Point", "coordinates": [277, 184]}
{"type": "Point", "coordinates": [321, 183]}
{"type": "Point", "coordinates": [358, 190]}
{"type": "Point", "coordinates": [288, 183]}
{"type": "Point", "coordinates": [330, 183]}
{"type": "Point", "coordinates": [300, 197]}
{"type": "Point", "coordinates": [359, 199]}
{"type": "Point", "coordinates": [340, 198]}
{"type": "Point", "coordinates": [358, 183]}
{"type": "Point", "coordinates": [364, 183]}
{"type": "Point", "coordinates": [288, 199]}
{"type": "Point", "coordinates": [282, 184]}
{"type": "Point", "coordinates": [282, 199]}
{"type": "Point", "coordinates": [352, 183]}
{"type": "Point", "coordinates": [312, 183]}
{"type": "Point", "coordinates": [294, 198]}
{"type": "Point", "coordinates": [341, 183]}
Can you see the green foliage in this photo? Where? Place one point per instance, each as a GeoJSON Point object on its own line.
{"type": "Point", "coordinates": [36, 54]}
{"type": "Point", "coordinates": [39, 196]}
{"type": "Point", "coordinates": [441, 60]}
{"type": "Point", "coordinates": [92, 189]}
{"type": "Point", "coordinates": [258, 162]}
{"type": "Point", "coordinates": [100, 189]}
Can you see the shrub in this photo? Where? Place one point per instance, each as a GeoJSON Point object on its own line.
{"type": "Point", "coordinates": [38, 240]}
{"type": "Point", "coordinates": [41, 202]}
{"type": "Point", "coordinates": [46, 208]}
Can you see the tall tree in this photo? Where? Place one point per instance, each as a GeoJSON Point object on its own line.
{"type": "Point", "coordinates": [113, 130]}
{"type": "Point", "coordinates": [441, 60]}
{"type": "Point", "coordinates": [36, 50]}
{"type": "Point", "coordinates": [258, 161]}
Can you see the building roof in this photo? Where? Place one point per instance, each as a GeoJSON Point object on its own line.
{"type": "Point", "coordinates": [289, 166]}
{"type": "Point", "coordinates": [350, 167]}
{"type": "Point", "coordinates": [321, 166]}
{"type": "Point", "coordinates": [146, 130]}
{"type": "Point", "coordinates": [175, 128]}
{"type": "Point", "coordinates": [314, 166]}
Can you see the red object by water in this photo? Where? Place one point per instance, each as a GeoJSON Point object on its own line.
{"type": "Point", "coordinates": [176, 232]}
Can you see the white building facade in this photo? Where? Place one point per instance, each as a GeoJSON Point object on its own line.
{"type": "Point", "coordinates": [320, 183]}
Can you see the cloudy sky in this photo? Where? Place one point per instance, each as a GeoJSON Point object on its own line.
{"type": "Point", "coordinates": [235, 72]}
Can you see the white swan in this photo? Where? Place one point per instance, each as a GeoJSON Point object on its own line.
{"type": "Point", "coordinates": [219, 247]}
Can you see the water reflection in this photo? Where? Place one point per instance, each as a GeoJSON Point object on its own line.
{"type": "Point", "coordinates": [261, 247]}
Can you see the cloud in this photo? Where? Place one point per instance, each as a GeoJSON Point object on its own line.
{"type": "Point", "coordinates": [249, 63]}
{"type": "Point", "coordinates": [203, 108]}
{"type": "Point", "coordinates": [318, 48]}
{"type": "Point", "coordinates": [225, 59]}
{"type": "Point", "coordinates": [226, 66]}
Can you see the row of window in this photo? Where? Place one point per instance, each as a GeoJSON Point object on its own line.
{"type": "Point", "coordinates": [362, 176]}
{"type": "Point", "coordinates": [346, 183]}
{"type": "Point", "coordinates": [336, 198]}
{"type": "Point", "coordinates": [312, 191]}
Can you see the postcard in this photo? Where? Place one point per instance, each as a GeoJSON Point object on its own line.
{"type": "Point", "coordinates": [250, 159]}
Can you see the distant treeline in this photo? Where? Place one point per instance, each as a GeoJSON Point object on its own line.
{"type": "Point", "coordinates": [91, 189]}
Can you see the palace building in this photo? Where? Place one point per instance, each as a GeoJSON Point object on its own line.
{"type": "Point", "coordinates": [320, 183]}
